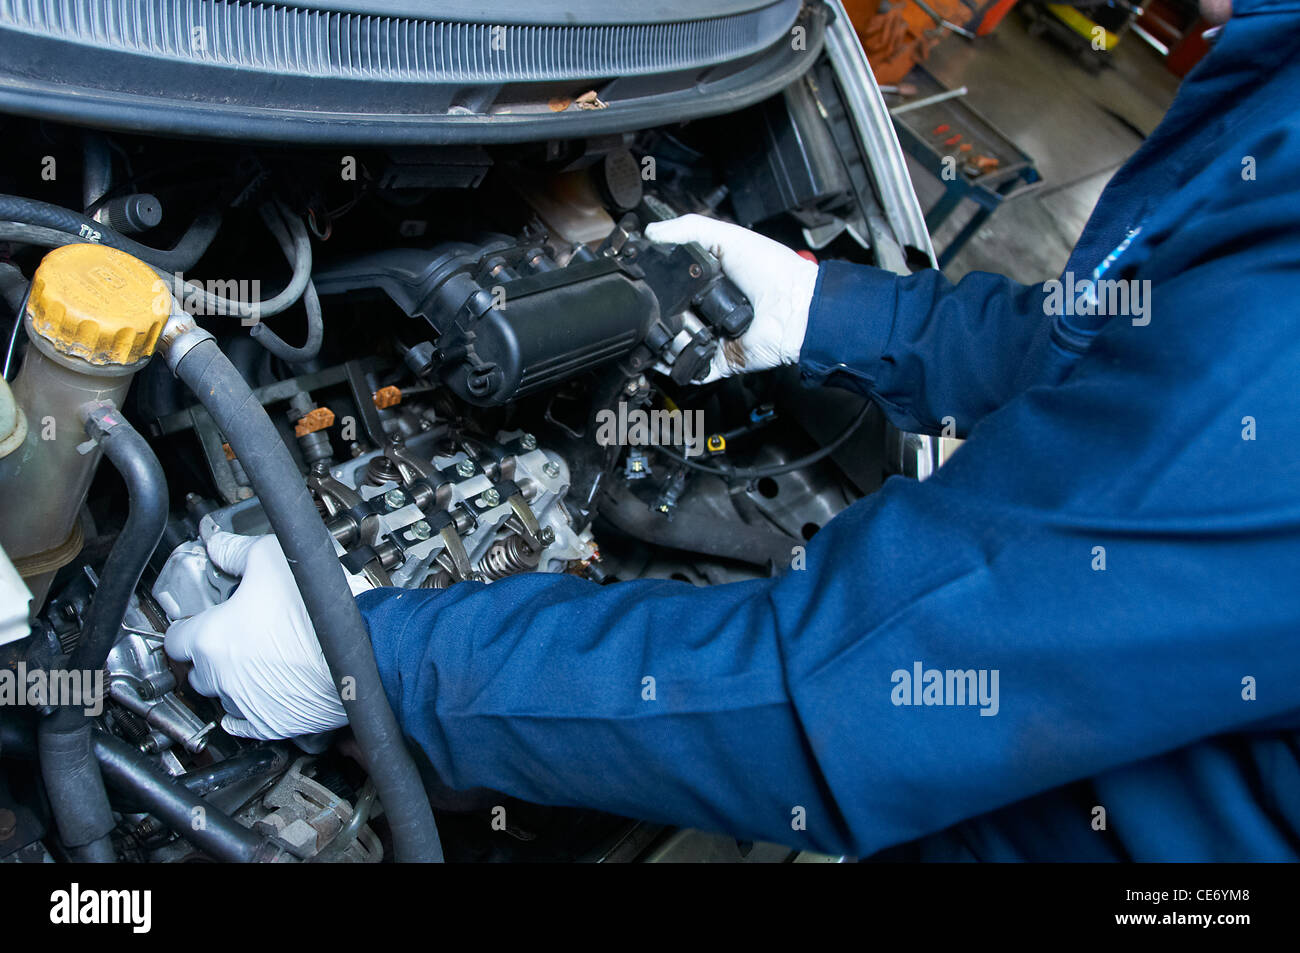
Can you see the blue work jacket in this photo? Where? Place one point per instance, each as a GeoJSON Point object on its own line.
{"type": "Point", "coordinates": [1080, 639]}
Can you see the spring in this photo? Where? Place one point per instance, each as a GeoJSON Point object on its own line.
{"type": "Point", "coordinates": [381, 470]}
{"type": "Point", "coordinates": [507, 557]}
{"type": "Point", "coordinates": [439, 579]}
{"type": "Point", "coordinates": [133, 726]}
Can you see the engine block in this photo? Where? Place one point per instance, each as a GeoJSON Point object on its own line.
{"type": "Point", "coordinates": [406, 516]}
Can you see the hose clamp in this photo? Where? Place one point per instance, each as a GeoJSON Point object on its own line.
{"type": "Point", "coordinates": [180, 335]}
{"type": "Point", "coordinates": [99, 417]}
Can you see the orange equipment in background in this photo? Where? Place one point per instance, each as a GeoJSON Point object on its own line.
{"type": "Point", "coordinates": [896, 36]}
{"type": "Point", "coordinates": [992, 15]}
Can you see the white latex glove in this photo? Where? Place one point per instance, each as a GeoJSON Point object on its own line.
{"type": "Point", "coordinates": [257, 651]}
{"type": "Point", "coordinates": [777, 281]}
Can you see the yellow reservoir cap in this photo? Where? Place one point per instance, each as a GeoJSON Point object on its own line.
{"type": "Point", "coordinates": [99, 304]}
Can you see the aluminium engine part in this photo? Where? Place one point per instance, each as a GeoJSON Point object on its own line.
{"type": "Point", "coordinates": [305, 818]}
{"type": "Point", "coordinates": [141, 681]}
{"type": "Point", "coordinates": [522, 497]}
{"type": "Point", "coordinates": [397, 545]}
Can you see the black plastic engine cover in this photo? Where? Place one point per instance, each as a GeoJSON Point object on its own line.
{"type": "Point", "coordinates": [546, 332]}
{"type": "Point", "coordinates": [508, 320]}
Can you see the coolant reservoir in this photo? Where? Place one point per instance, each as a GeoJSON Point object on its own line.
{"type": "Point", "coordinates": [93, 317]}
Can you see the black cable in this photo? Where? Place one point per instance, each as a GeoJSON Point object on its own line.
{"type": "Point", "coordinates": [181, 257]}
{"type": "Point", "coordinates": [757, 473]}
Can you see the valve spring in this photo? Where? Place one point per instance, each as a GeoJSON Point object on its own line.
{"type": "Point", "coordinates": [437, 580]}
{"type": "Point", "coordinates": [507, 557]}
{"type": "Point", "coordinates": [381, 470]}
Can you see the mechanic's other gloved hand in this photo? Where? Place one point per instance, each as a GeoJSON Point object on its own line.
{"type": "Point", "coordinates": [776, 280]}
{"type": "Point", "coordinates": [257, 651]}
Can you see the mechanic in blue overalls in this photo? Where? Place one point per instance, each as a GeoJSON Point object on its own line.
{"type": "Point", "coordinates": [1111, 561]}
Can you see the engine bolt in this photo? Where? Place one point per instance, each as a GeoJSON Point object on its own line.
{"type": "Point", "coordinates": [696, 271]}
{"type": "Point", "coordinates": [465, 468]}
{"type": "Point", "coordinates": [528, 442]}
{"type": "Point", "coordinates": [490, 497]}
{"type": "Point", "coordinates": [419, 531]}
{"type": "Point", "coordinates": [394, 499]}
{"type": "Point", "coordinates": [551, 469]}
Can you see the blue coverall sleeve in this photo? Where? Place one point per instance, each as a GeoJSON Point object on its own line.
{"type": "Point", "coordinates": [1119, 547]}
{"type": "Point", "coordinates": [926, 349]}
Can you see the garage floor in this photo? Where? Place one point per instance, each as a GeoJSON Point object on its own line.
{"type": "Point", "coordinates": [1079, 128]}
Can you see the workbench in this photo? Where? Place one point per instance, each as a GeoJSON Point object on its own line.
{"type": "Point", "coordinates": [934, 134]}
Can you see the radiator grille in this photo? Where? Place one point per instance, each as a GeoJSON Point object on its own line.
{"type": "Point", "coordinates": [293, 40]}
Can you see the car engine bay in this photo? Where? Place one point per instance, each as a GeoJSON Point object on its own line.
{"type": "Point", "coordinates": [472, 316]}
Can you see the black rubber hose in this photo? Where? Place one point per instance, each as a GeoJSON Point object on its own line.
{"type": "Point", "coordinates": [76, 789]}
{"type": "Point", "coordinates": [13, 288]}
{"type": "Point", "coordinates": [340, 629]}
{"type": "Point", "coordinates": [264, 336]}
{"type": "Point", "coordinates": [181, 257]}
{"type": "Point", "coordinates": [276, 219]}
{"type": "Point", "coordinates": [21, 233]}
{"type": "Point", "coordinates": [146, 488]}
{"type": "Point", "coordinates": [13, 293]}
{"type": "Point", "coordinates": [72, 781]}
{"type": "Point", "coordinates": [292, 235]}
{"type": "Point", "coordinates": [131, 772]}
